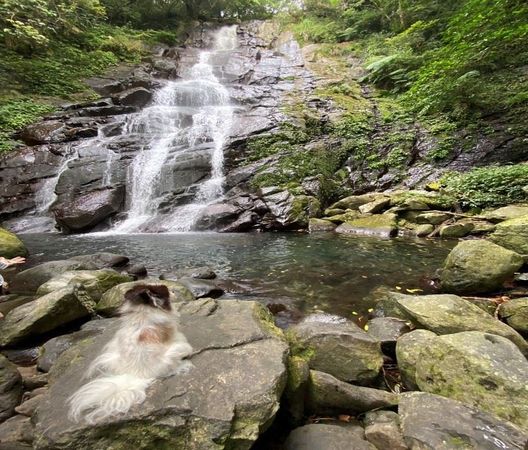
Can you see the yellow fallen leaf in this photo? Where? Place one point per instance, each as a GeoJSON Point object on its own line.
{"type": "Point", "coordinates": [398, 288]}
{"type": "Point", "coordinates": [414, 291]}
{"type": "Point", "coordinates": [365, 327]}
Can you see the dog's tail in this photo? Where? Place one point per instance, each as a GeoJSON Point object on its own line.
{"type": "Point", "coordinates": [107, 396]}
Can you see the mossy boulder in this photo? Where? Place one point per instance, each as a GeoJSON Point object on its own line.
{"type": "Point", "coordinates": [506, 213]}
{"type": "Point", "coordinates": [226, 400]}
{"type": "Point", "coordinates": [44, 314]}
{"type": "Point", "coordinates": [339, 348]}
{"type": "Point", "coordinates": [432, 217]}
{"type": "Point", "coordinates": [303, 207]}
{"type": "Point", "coordinates": [11, 245]}
{"type": "Point", "coordinates": [515, 313]}
{"type": "Point", "coordinates": [408, 349]}
{"type": "Point", "coordinates": [480, 369]}
{"type": "Point", "coordinates": [456, 230]}
{"type": "Point", "coordinates": [344, 217]}
{"type": "Point", "coordinates": [375, 206]}
{"type": "Point", "coordinates": [424, 230]}
{"type": "Point", "coordinates": [513, 234]}
{"type": "Point", "coordinates": [382, 225]}
{"type": "Point", "coordinates": [315, 225]}
{"type": "Point", "coordinates": [446, 314]}
{"type": "Point", "coordinates": [354, 201]}
{"type": "Point", "coordinates": [456, 425]}
{"type": "Point", "coordinates": [433, 200]}
{"type": "Point", "coordinates": [96, 282]}
{"type": "Point", "coordinates": [113, 298]}
{"type": "Point", "coordinates": [478, 266]}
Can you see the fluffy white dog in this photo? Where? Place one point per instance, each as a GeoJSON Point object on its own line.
{"type": "Point", "coordinates": [147, 346]}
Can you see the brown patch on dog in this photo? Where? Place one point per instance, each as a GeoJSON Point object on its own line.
{"type": "Point", "coordinates": [160, 335]}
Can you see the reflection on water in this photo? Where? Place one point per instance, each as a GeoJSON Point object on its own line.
{"type": "Point", "coordinates": [327, 272]}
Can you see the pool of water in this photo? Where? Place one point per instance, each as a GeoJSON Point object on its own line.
{"type": "Point", "coordinates": [303, 273]}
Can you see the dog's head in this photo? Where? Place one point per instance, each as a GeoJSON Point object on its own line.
{"type": "Point", "coordinates": [153, 295]}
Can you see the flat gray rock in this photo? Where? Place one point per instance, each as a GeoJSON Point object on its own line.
{"type": "Point", "coordinates": [431, 422]}
{"type": "Point", "coordinates": [326, 437]}
{"type": "Point", "coordinates": [229, 396]}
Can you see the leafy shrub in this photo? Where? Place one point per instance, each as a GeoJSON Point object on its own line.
{"type": "Point", "coordinates": [16, 114]}
{"type": "Point", "coordinates": [489, 186]}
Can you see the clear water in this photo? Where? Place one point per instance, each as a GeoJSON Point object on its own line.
{"type": "Point", "coordinates": [305, 273]}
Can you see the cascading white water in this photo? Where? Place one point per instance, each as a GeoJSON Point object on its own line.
{"type": "Point", "coordinates": [167, 130]}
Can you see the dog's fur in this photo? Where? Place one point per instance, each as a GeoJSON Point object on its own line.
{"type": "Point", "coordinates": [147, 346]}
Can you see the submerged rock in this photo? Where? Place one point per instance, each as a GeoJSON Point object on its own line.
{"type": "Point", "coordinates": [456, 425]}
{"type": "Point", "coordinates": [446, 314]}
{"type": "Point", "coordinates": [10, 389]}
{"type": "Point", "coordinates": [341, 349]}
{"type": "Point", "coordinates": [11, 245]}
{"type": "Point", "coordinates": [44, 314]}
{"type": "Point", "coordinates": [478, 266]}
{"type": "Point", "coordinates": [229, 396]}
{"type": "Point", "coordinates": [479, 369]}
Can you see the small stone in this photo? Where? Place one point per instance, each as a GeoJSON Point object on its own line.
{"type": "Point", "coordinates": [382, 429]}
{"type": "Point", "coordinates": [328, 395]}
{"type": "Point", "coordinates": [29, 406]}
{"type": "Point", "coordinates": [317, 225]}
{"type": "Point", "coordinates": [515, 313]}
{"type": "Point", "coordinates": [375, 206]}
{"type": "Point", "coordinates": [318, 436]}
{"type": "Point", "coordinates": [387, 330]}
{"type": "Point", "coordinates": [456, 230]}
{"type": "Point", "coordinates": [424, 230]}
{"type": "Point", "coordinates": [432, 218]}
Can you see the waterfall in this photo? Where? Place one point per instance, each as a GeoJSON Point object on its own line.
{"type": "Point", "coordinates": [170, 134]}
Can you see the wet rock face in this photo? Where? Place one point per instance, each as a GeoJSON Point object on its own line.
{"type": "Point", "coordinates": [83, 153]}
{"type": "Point", "coordinates": [229, 396]}
{"type": "Point", "coordinates": [10, 388]}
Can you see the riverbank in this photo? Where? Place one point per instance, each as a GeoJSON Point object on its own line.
{"type": "Point", "coordinates": [389, 371]}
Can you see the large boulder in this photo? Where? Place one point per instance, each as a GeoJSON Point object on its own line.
{"type": "Point", "coordinates": [229, 396]}
{"type": "Point", "coordinates": [138, 97]}
{"type": "Point", "coordinates": [382, 225]}
{"type": "Point", "coordinates": [408, 349]}
{"type": "Point", "coordinates": [96, 282]}
{"type": "Point", "coordinates": [355, 201]}
{"type": "Point", "coordinates": [328, 395]}
{"type": "Point", "coordinates": [515, 313]}
{"type": "Point", "coordinates": [506, 213]}
{"type": "Point", "coordinates": [446, 314]}
{"type": "Point", "coordinates": [339, 348]}
{"type": "Point", "coordinates": [478, 266]}
{"type": "Point", "coordinates": [45, 314]}
{"type": "Point", "coordinates": [29, 280]}
{"type": "Point", "coordinates": [290, 211]}
{"type": "Point", "coordinates": [114, 297]}
{"type": "Point", "coordinates": [318, 436]}
{"type": "Point", "coordinates": [10, 388]}
{"type": "Point", "coordinates": [86, 211]}
{"type": "Point", "coordinates": [316, 225]}
{"type": "Point", "coordinates": [513, 234]}
{"type": "Point", "coordinates": [479, 369]}
{"type": "Point", "coordinates": [10, 245]}
{"type": "Point", "coordinates": [437, 423]}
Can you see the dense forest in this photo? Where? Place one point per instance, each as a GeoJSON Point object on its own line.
{"type": "Point", "coordinates": [450, 65]}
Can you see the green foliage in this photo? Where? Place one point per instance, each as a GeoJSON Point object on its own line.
{"type": "Point", "coordinates": [489, 186]}
{"type": "Point", "coordinates": [15, 114]}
